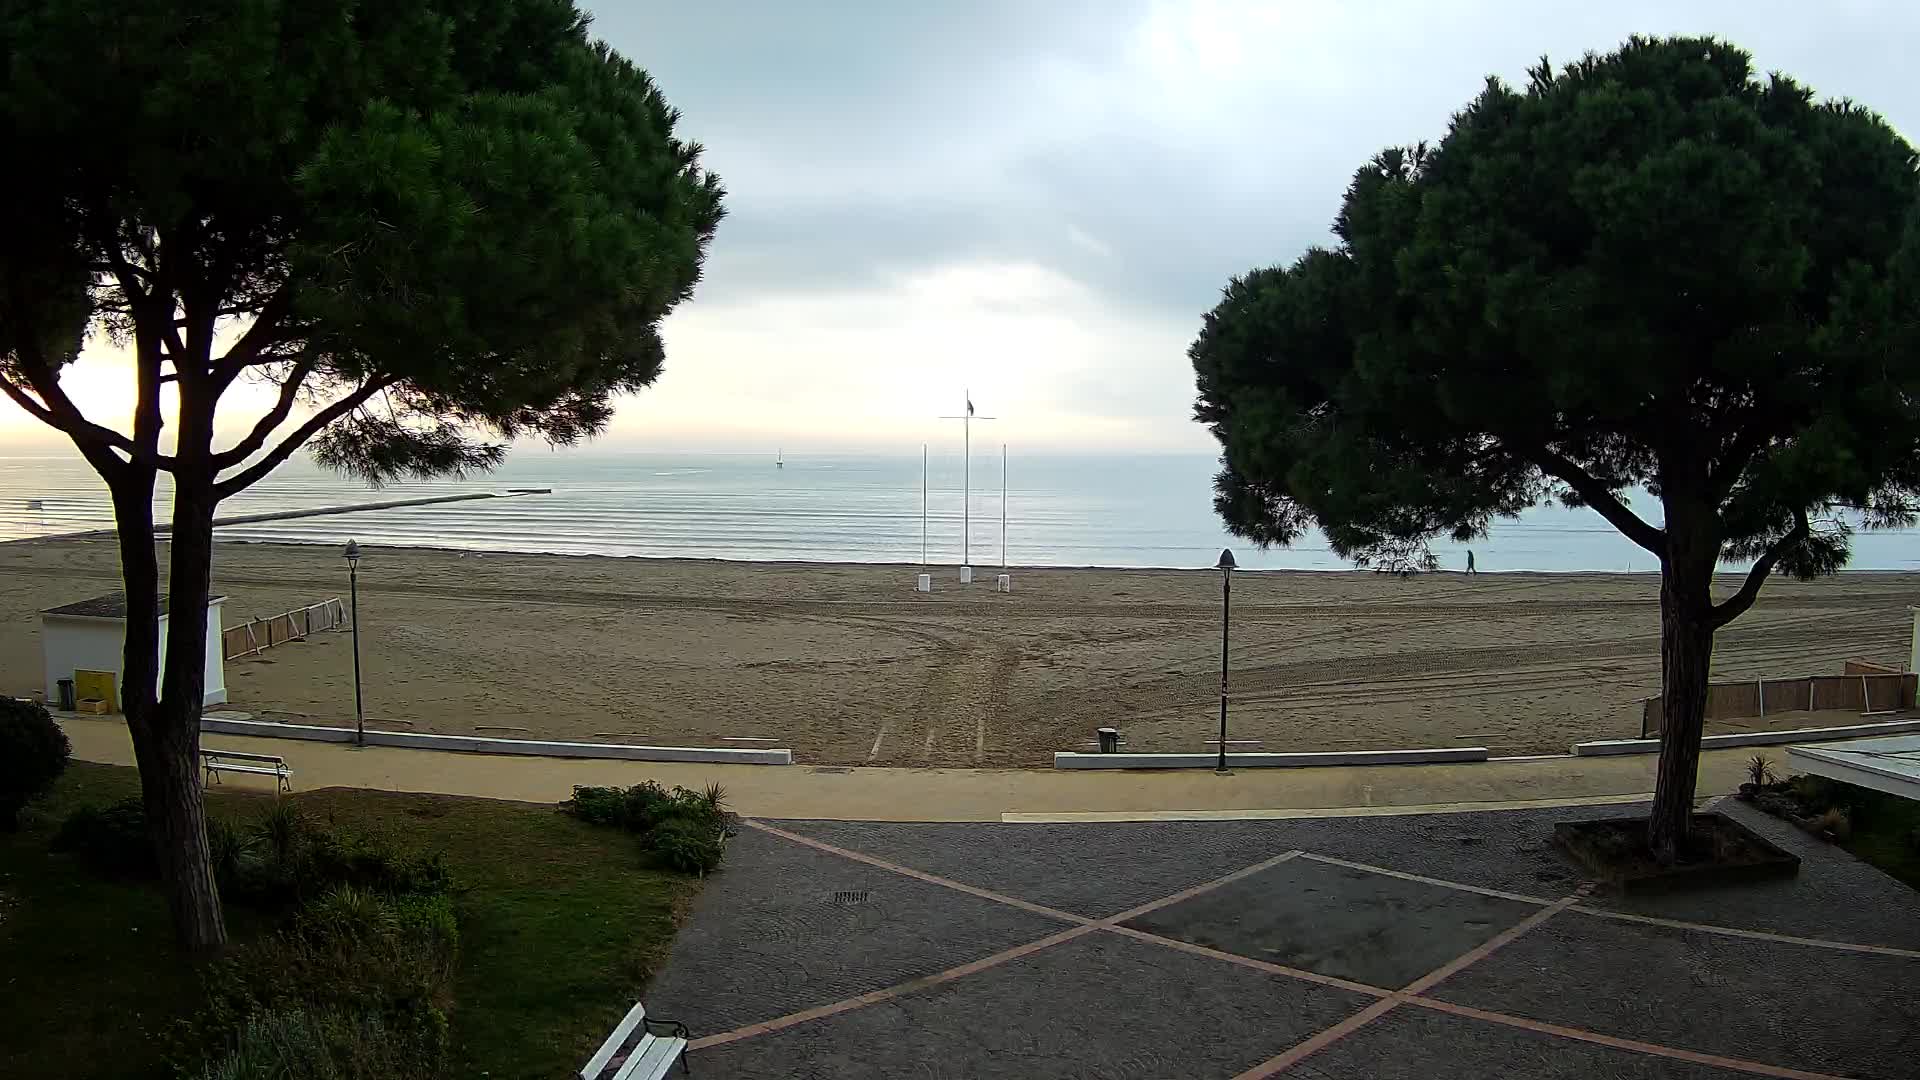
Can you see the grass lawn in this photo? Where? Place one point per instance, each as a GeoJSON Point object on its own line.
{"type": "Point", "coordinates": [560, 927]}
{"type": "Point", "coordinates": [1886, 831]}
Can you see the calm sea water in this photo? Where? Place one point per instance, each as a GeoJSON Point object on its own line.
{"type": "Point", "coordinates": [1061, 510]}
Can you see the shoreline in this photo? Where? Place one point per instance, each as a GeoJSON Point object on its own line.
{"type": "Point", "coordinates": [97, 535]}
{"type": "Point", "coordinates": [980, 568]}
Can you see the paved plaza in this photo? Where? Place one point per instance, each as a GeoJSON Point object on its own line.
{"type": "Point", "coordinates": [1423, 947]}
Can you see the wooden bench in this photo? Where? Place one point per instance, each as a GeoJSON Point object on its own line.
{"type": "Point", "coordinates": [219, 761]}
{"type": "Point", "coordinates": [645, 1057]}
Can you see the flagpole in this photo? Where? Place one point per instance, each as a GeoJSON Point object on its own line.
{"type": "Point", "coordinates": [966, 419]}
{"type": "Point", "coordinates": [1003, 506]}
{"type": "Point", "coordinates": [923, 506]}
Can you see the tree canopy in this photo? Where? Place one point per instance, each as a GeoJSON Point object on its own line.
{"type": "Point", "coordinates": [1646, 270]}
{"type": "Point", "coordinates": [427, 227]}
{"type": "Point", "coordinates": [422, 221]}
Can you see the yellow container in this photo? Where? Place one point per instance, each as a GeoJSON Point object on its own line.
{"type": "Point", "coordinates": [97, 685]}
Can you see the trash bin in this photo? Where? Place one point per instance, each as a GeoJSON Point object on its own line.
{"type": "Point", "coordinates": [1109, 740]}
{"type": "Point", "coordinates": [66, 695]}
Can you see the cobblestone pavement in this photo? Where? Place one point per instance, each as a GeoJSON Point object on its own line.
{"type": "Point", "coordinates": [1423, 947]}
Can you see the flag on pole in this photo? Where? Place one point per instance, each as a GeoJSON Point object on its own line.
{"type": "Point", "coordinates": [969, 404]}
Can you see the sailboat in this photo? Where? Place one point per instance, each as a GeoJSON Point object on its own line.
{"type": "Point", "coordinates": [779, 459]}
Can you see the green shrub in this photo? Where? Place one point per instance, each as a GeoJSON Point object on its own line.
{"type": "Point", "coordinates": [375, 963]}
{"type": "Point", "coordinates": [680, 829]}
{"type": "Point", "coordinates": [371, 863]}
{"type": "Point", "coordinates": [279, 829]}
{"type": "Point", "coordinates": [301, 1044]}
{"type": "Point", "coordinates": [288, 858]}
{"type": "Point", "coordinates": [1835, 823]}
{"type": "Point", "coordinates": [1813, 793]}
{"type": "Point", "coordinates": [228, 850]}
{"type": "Point", "coordinates": [686, 845]}
{"type": "Point", "coordinates": [635, 809]}
{"type": "Point", "coordinates": [33, 754]}
{"type": "Point", "coordinates": [112, 840]}
{"type": "Point", "coordinates": [346, 912]}
{"type": "Point", "coordinates": [598, 806]}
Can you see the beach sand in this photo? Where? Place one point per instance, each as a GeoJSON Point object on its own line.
{"type": "Point", "coordinates": [847, 665]}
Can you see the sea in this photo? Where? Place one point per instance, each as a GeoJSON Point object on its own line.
{"type": "Point", "coordinates": [1113, 510]}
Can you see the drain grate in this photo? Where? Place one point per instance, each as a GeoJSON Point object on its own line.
{"type": "Point", "coordinates": [851, 897]}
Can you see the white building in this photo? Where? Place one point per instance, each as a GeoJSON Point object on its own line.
{"type": "Point", "coordinates": [91, 636]}
{"type": "Point", "coordinates": [1890, 764]}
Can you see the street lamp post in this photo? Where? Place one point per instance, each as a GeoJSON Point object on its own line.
{"type": "Point", "coordinates": [353, 586]}
{"type": "Point", "coordinates": [1225, 566]}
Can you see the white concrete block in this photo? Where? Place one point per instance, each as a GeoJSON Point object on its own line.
{"type": "Point", "coordinates": [1071, 760]}
{"type": "Point", "coordinates": [1613, 747]}
{"type": "Point", "coordinates": [1003, 583]}
{"type": "Point", "coordinates": [966, 575]}
{"type": "Point", "coordinates": [923, 583]}
{"type": "Point", "coordinates": [474, 744]}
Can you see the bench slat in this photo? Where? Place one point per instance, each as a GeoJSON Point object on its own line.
{"type": "Point", "coordinates": [217, 762]}
{"type": "Point", "coordinates": [241, 755]}
{"type": "Point", "coordinates": [596, 1064]}
{"type": "Point", "coordinates": [651, 1059]}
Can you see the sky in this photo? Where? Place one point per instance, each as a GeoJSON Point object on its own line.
{"type": "Point", "coordinates": [1037, 201]}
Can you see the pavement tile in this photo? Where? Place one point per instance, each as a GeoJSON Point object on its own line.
{"type": "Point", "coordinates": [1103, 868]}
{"type": "Point", "coordinates": [766, 938]}
{"type": "Point", "coordinates": [1094, 870]}
{"type": "Point", "coordinates": [1510, 850]}
{"type": "Point", "coordinates": [1100, 1006]}
{"type": "Point", "coordinates": [1332, 920]}
{"type": "Point", "coordinates": [1835, 896]}
{"type": "Point", "coordinates": [1790, 1005]}
{"type": "Point", "coordinates": [1419, 1044]}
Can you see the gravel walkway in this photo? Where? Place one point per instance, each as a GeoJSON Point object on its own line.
{"type": "Point", "coordinates": [1424, 947]}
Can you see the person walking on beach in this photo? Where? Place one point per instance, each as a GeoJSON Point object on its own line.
{"type": "Point", "coordinates": [1470, 568]}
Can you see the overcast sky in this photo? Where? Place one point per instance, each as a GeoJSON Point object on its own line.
{"type": "Point", "coordinates": [1038, 200]}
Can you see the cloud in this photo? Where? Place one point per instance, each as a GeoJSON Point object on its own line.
{"type": "Point", "coordinates": [1080, 239]}
{"type": "Point", "coordinates": [896, 169]}
{"type": "Point", "coordinates": [1039, 200]}
{"type": "Point", "coordinates": [880, 365]}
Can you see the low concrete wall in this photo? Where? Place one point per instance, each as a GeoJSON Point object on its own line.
{"type": "Point", "coordinates": [1609, 747]}
{"type": "Point", "coordinates": [1068, 760]}
{"type": "Point", "coordinates": [474, 744]}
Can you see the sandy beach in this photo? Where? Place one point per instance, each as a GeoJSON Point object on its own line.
{"type": "Point", "coordinates": [847, 665]}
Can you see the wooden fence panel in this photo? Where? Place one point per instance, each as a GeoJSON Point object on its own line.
{"type": "Point", "coordinates": [1855, 692]}
{"type": "Point", "coordinates": [256, 635]}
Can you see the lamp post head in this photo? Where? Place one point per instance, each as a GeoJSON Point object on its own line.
{"type": "Point", "coordinates": [1226, 561]}
{"type": "Point", "coordinates": [352, 555]}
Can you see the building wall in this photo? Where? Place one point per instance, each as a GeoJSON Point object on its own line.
{"type": "Point", "coordinates": [67, 643]}
{"type": "Point", "coordinates": [215, 687]}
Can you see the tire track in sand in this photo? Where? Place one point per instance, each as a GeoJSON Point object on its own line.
{"type": "Point", "coordinates": [962, 711]}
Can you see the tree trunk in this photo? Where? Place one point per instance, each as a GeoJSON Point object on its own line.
{"type": "Point", "coordinates": [1686, 660]}
{"type": "Point", "coordinates": [166, 743]}
{"type": "Point", "coordinates": [180, 826]}
{"type": "Point", "coordinates": [169, 760]}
